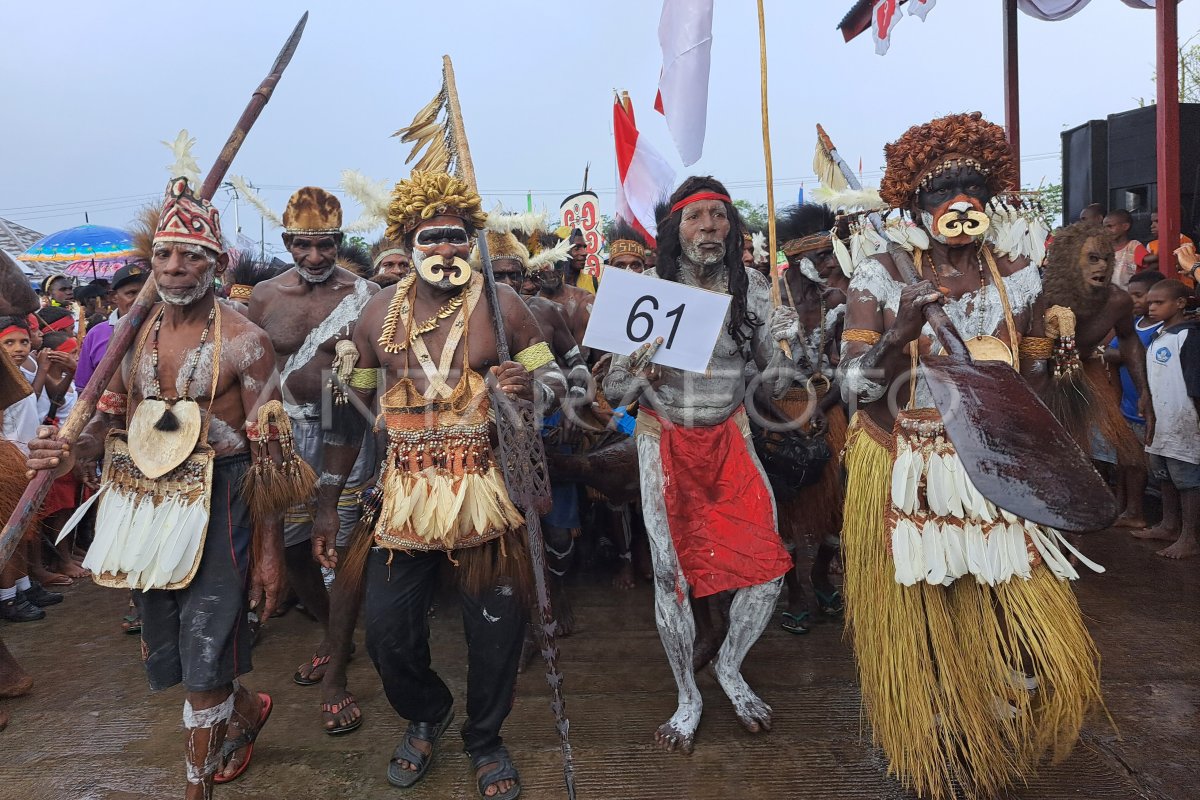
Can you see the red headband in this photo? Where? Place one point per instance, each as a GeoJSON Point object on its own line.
{"type": "Point", "coordinates": [697, 197]}
{"type": "Point", "coordinates": [35, 324]}
{"type": "Point", "coordinates": [13, 329]}
{"type": "Point", "coordinates": [68, 346]}
{"type": "Point", "coordinates": [60, 324]}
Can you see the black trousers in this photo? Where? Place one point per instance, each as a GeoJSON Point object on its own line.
{"type": "Point", "coordinates": [398, 597]}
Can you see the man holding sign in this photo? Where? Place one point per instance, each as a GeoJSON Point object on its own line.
{"type": "Point", "coordinates": [709, 512]}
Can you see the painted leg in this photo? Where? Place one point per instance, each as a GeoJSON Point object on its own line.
{"type": "Point", "coordinates": [751, 611]}
{"type": "Point", "coordinates": [205, 722]}
{"type": "Point", "coordinates": [560, 555]}
{"type": "Point", "coordinates": [676, 627]}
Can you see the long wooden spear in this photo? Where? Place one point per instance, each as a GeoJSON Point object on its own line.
{"type": "Point", "coordinates": [766, 135]}
{"type": "Point", "coordinates": [128, 326]}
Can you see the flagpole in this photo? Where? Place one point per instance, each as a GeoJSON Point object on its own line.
{"type": "Point", "coordinates": [772, 248]}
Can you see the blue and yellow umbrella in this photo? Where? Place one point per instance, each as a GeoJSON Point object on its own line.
{"type": "Point", "coordinates": [82, 242]}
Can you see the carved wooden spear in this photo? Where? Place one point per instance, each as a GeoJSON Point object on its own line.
{"type": "Point", "coordinates": [128, 326]}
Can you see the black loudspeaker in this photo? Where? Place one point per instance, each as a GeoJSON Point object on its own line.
{"type": "Point", "coordinates": [1113, 162]}
{"type": "Point", "coordinates": [1085, 167]}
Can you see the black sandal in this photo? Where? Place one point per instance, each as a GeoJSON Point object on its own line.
{"type": "Point", "coordinates": [503, 771]}
{"type": "Point", "coordinates": [405, 751]}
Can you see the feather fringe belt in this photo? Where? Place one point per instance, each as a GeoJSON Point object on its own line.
{"type": "Point", "coordinates": [149, 533]}
{"type": "Point", "coordinates": [941, 528]}
{"type": "Point", "coordinates": [963, 682]}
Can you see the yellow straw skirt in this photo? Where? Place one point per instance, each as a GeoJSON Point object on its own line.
{"type": "Point", "coordinates": [942, 668]}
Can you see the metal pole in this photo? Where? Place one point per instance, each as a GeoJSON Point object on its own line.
{"type": "Point", "coordinates": [1012, 92]}
{"type": "Point", "coordinates": [1167, 134]}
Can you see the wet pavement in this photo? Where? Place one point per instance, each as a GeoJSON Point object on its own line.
{"type": "Point", "coordinates": [92, 729]}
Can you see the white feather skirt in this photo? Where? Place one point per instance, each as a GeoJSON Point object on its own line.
{"type": "Point", "coordinates": [941, 528]}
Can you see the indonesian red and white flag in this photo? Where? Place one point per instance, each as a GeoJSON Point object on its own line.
{"type": "Point", "coordinates": [643, 176]}
{"type": "Point", "coordinates": [885, 16]}
{"type": "Point", "coordinates": [685, 36]}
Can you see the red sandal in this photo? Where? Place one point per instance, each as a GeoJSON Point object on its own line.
{"type": "Point", "coordinates": [244, 739]}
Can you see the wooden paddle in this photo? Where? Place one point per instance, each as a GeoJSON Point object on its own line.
{"type": "Point", "coordinates": [1015, 451]}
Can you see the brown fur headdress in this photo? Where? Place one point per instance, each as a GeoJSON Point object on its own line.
{"type": "Point", "coordinates": [1062, 283]}
{"type": "Point", "coordinates": [922, 147]}
{"type": "Point", "coordinates": [424, 195]}
{"type": "Point", "coordinates": [312, 211]}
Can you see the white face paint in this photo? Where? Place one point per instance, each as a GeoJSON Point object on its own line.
{"type": "Point", "coordinates": [187, 297]}
{"type": "Point", "coordinates": [809, 270]}
{"type": "Point", "coordinates": [309, 276]}
{"type": "Point", "coordinates": [693, 252]}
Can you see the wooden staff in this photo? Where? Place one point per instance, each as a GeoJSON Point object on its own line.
{"type": "Point", "coordinates": [766, 132]}
{"type": "Point", "coordinates": [128, 326]}
{"type": "Point", "coordinates": [522, 457]}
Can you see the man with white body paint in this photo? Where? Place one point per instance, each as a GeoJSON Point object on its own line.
{"type": "Point", "coordinates": [305, 311]}
{"type": "Point", "coordinates": [709, 511]}
{"type": "Point", "coordinates": [197, 634]}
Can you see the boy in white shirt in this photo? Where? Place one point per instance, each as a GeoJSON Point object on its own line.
{"type": "Point", "coordinates": [1173, 372]}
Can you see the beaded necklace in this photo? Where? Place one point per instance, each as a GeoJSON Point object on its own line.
{"type": "Point", "coordinates": [193, 361]}
{"type": "Point", "coordinates": [402, 306]}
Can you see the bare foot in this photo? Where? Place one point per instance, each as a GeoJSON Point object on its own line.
{"type": "Point", "coordinates": [1128, 520]}
{"type": "Point", "coordinates": [752, 712]}
{"type": "Point", "coordinates": [47, 578]}
{"type": "Point", "coordinates": [671, 740]}
{"type": "Point", "coordinates": [14, 681]}
{"type": "Point", "coordinates": [75, 571]}
{"type": "Point", "coordinates": [624, 577]}
{"type": "Point", "coordinates": [1184, 547]}
{"type": "Point", "coordinates": [1157, 532]}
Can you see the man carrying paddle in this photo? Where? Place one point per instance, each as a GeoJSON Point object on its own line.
{"type": "Point", "coordinates": [972, 656]}
{"type": "Point", "coordinates": [194, 360]}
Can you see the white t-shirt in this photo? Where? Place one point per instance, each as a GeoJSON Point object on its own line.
{"type": "Point", "coordinates": [1173, 371]}
{"type": "Point", "coordinates": [21, 423]}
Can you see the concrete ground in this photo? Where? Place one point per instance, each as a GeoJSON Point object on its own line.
{"type": "Point", "coordinates": [91, 728]}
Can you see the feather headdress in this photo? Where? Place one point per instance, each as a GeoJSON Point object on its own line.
{"type": "Point", "coordinates": [867, 199]}
{"type": "Point", "coordinates": [550, 256]}
{"type": "Point", "coordinates": [373, 196]}
{"type": "Point", "coordinates": [526, 222]}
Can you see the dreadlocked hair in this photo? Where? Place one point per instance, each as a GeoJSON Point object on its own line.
{"type": "Point", "coordinates": [742, 321]}
{"type": "Point", "coordinates": [806, 219]}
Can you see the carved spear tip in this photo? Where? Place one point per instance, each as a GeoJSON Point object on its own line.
{"type": "Point", "coordinates": [289, 47]}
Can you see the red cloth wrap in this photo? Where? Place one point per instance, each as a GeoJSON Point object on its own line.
{"type": "Point", "coordinates": [718, 508]}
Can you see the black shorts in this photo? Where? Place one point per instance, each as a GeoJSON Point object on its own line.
{"type": "Point", "coordinates": [198, 635]}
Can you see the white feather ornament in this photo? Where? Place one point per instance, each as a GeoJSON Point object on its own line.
{"type": "Point", "coordinates": [976, 547]}
{"type": "Point", "coordinates": [934, 551]}
{"type": "Point", "coordinates": [1051, 556]}
{"type": "Point", "coordinates": [1020, 555]}
{"type": "Point", "coordinates": [253, 199]}
{"type": "Point", "coordinates": [906, 552]}
{"type": "Point", "coordinates": [551, 255]}
{"type": "Point", "coordinates": [843, 256]}
{"type": "Point", "coordinates": [526, 222]}
{"type": "Point", "coordinates": [935, 486]}
{"type": "Point", "coordinates": [185, 165]}
{"type": "Point", "coordinates": [197, 517]}
{"type": "Point", "coordinates": [75, 518]}
{"type": "Point", "coordinates": [373, 196]}
{"type": "Point", "coordinates": [916, 471]}
{"type": "Point", "coordinates": [900, 476]}
{"type": "Point", "coordinates": [1087, 562]}
{"type": "Point", "coordinates": [758, 247]}
{"type": "Point", "coordinates": [917, 235]}
{"type": "Point", "coordinates": [956, 551]}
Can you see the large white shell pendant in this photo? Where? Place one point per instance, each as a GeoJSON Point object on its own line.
{"type": "Point", "coordinates": [156, 452]}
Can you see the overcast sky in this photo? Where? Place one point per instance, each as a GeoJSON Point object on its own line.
{"type": "Point", "coordinates": [90, 89]}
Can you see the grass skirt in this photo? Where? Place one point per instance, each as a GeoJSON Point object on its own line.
{"type": "Point", "coordinates": [941, 668]}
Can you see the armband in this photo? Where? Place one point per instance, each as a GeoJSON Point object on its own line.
{"type": "Point", "coordinates": [535, 356]}
{"type": "Point", "coordinates": [1036, 348]}
{"type": "Point", "coordinates": [364, 378]}
{"type": "Point", "coordinates": [271, 487]}
{"type": "Point", "coordinates": [112, 403]}
{"type": "Point", "coordinates": [867, 337]}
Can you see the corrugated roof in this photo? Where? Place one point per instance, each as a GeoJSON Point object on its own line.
{"type": "Point", "coordinates": [15, 239]}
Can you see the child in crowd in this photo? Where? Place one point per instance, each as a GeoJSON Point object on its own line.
{"type": "Point", "coordinates": [1132, 487]}
{"type": "Point", "coordinates": [21, 599]}
{"type": "Point", "coordinates": [1173, 371]}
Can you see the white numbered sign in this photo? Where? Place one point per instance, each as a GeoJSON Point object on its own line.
{"type": "Point", "coordinates": [633, 309]}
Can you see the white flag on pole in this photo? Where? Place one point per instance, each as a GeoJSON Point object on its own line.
{"type": "Point", "coordinates": [685, 35]}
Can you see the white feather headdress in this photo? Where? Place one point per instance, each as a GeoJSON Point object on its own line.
{"type": "Point", "coordinates": [373, 196]}
{"type": "Point", "coordinates": [551, 255]}
{"type": "Point", "coordinates": [526, 222]}
{"type": "Point", "coordinates": [865, 199]}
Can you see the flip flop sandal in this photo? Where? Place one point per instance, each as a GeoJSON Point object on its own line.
{"type": "Point", "coordinates": [131, 624]}
{"type": "Point", "coordinates": [336, 708]}
{"type": "Point", "coordinates": [794, 623]}
{"type": "Point", "coordinates": [317, 661]}
{"type": "Point", "coordinates": [831, 605]}
{"type": "Point", "coordinates": [405, 751]}
{"type": "Point", "coordinates": [244, 739]}
{"type": "Point", "coordinates": [503, 771]}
